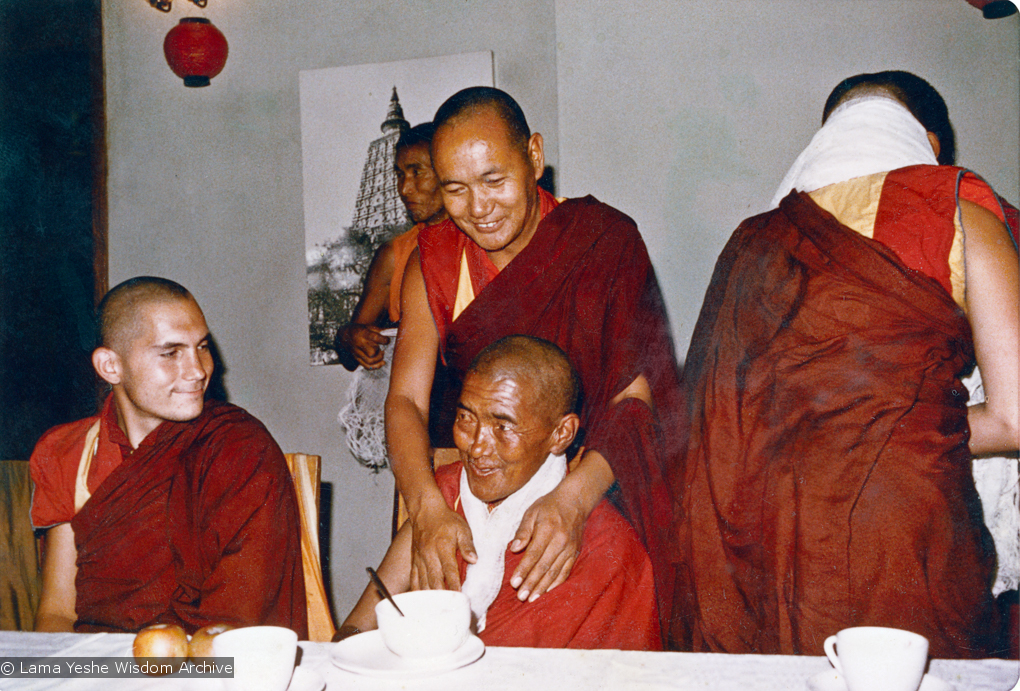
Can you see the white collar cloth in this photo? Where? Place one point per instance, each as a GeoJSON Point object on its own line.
{"type": "Point", "coordinates": [866, 135]}
{"type": "Point", "coordinates": [492, 531]}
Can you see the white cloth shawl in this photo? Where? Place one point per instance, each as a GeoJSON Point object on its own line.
{"type": "Point", "coordinates": [866, 135]}
{"type": "Point", "coordinates": [492, 531]}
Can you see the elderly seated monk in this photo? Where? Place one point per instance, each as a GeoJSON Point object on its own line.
{"type": "Point", "coordinates": [165, 507]}
{"type": "Point", "coordinates": [515, 420]}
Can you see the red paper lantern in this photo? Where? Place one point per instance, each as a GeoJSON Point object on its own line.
{"type": "Point", "coordinates": [994, 9]}
{"type": "Point", "coordinates": [195, 50]}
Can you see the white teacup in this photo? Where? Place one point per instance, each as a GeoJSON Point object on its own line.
{"type": "Point", "coordinates": [264, 657]}
{"type": "Point", "coordinates": [875, 658]}
{"type": "Point", "coordinates": [435, 622]}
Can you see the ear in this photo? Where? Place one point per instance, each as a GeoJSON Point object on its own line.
{"type": "Point", "coordinates": [935, 145]}
{"type": "Point", "coordinates": [564, 433]}
{"type": "Point", "coordinates": [536, 154]}
{"type": "Point", "coordinates": [107, 364]}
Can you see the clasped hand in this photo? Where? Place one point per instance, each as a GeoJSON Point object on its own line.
{"type": "Point", "coordinates": [363, 341]}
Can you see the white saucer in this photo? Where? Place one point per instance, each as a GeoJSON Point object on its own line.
{"type": "Point", "coordinates": [306, 680]}
{"type": "Point", "coordinates": [831, 680]}
{"type": "Point", "coordinates": [366, 654]}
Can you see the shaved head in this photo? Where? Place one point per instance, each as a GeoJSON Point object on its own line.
{"type": "Point", "coordinates": [535, 361]}
{"type": "Point", "coordinates": [474, 99]}
{"type": "Point", "coordinates": [923, 101]}
{"type": "Point", "coordinates": [419, 134]}
{"type": "Point", "coordinates": [119, 312]}
{"type": "Point", "coordinates": [516, 408]}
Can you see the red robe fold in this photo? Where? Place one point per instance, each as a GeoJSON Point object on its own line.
{"type": "Point", "coordinates": [827, 478]}
{"type": "Point", "coordinates": [198, 525]}
{"type": "Point", "coordinates": [584, 282]}
{"type": "Point", "coordinates": [608, 602]}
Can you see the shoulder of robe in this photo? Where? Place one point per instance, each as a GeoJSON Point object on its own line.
{"type": "Point", "coordinates": [64, 438]}
{"type": "Point", "coordinates": [599, 211]}
{"type": "Point", "coordinates": [230, 429]}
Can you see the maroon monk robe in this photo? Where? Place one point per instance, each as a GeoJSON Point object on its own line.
{"type": "Point", "coordinates": [198, 525]}
{"type": "Point", "coordinates": [827, 470]}
{"type": "Point", "coordinates": [608, 602]}
{"type": "Point", "coordinates": [584, 282]}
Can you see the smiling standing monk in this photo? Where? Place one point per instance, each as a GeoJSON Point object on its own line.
{"type": "Point", "coordinates": [512, 260]}
{"type": "Point", "coordinates": [164, 508]}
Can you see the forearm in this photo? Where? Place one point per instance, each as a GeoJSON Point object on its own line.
{"type": "Point", "coordinates": [51, 622]}
{"type": "Point", "coordinates": [395, 572]}
{"type": "Point", "coordinates": [992, 431]}
{"type": "Point", "coordinates": [375, 295]}
{"type": "Point", "coordinates": [592, 477]}
{"type": "Point", "coordinates": [588, 482]}
{"type": "Point", "coordinates": [407, 404]}
{"type": "Point", "coordinates": [993, 296]}
{"type": "Point", "coordinates": [408, 442]}
{"type": "Point", "coordinates": [57, 603]}
{"type": "Point", "coordinates": [362, 617]}
{"type": "Point", "coordinates": [358, 342]}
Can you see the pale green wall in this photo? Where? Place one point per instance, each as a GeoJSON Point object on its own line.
{"type": "Point", "coordinates": [686, 115]}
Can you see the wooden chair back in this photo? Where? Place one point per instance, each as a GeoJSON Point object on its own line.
{"type": "Point", "coordinates": [20, 576]}
{"type": "Point", "coordinates": [305, 471]}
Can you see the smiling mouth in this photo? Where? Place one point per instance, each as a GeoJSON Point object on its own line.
{"type": "Point", "coordinates": [483, 472]}
{"type": "Point", "coordinates": [492, 225]}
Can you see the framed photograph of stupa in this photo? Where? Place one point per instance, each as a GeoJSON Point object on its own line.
{"type": "Point", "coordinates": [351, 118]}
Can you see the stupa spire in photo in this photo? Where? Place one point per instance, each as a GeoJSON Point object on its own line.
{"type": "Point", "coordinates": [378, 210]}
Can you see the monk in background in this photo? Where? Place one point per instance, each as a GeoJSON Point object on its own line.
{"type": "Point", "coordinates": [359, 342]}
{"type": "Point", "coordinates": [515, 422]}
{"type": "Point", "coordinates": [827, 478]}
{"type": "Point", "coordinates": [165, 508]}
{"type": "Point", "coordinates": [513, 260]}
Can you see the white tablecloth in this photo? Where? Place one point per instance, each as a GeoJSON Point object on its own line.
{"type": "Point", "coordinates": [526, 669]}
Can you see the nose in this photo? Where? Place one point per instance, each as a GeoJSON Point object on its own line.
{"type": "Point", "coordinates": [405, 187]}
{"type": "Point", "coordinates": [481, 204]}
{"type": "Point", "coordinates": [197, 365]}
{"type": "Point", "coordinates": [480, 443]}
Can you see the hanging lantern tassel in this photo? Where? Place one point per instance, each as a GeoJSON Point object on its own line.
{"type": "Point", "coordinates": [195, 50]}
